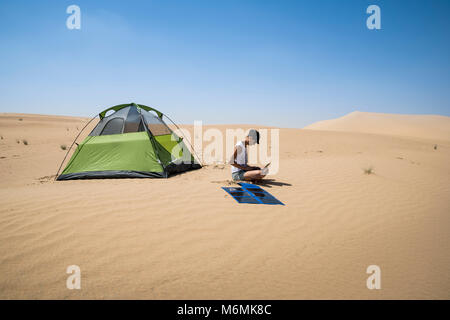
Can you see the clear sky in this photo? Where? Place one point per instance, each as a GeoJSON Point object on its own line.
{"type": "Point", "coordinates": [281, 63]}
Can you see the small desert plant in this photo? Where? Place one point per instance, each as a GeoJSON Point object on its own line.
{"type": "Point", "coordinates": [20, 119]}
{"type": "Point", "coordinates": [63, 147]}
{"type": "Point", "coordinates": [368, 170]}
{"type": "Point", "coordinates": [1, 137]}
{"type": "Point", "coordinates": [25, 142]}
{"type": "Point", "coordinates": [435, 147]}
{"type": "Point", "coordinates": [18, 141]}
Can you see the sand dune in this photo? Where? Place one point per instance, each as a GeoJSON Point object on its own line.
{"type": "Point", "coordinates": [183, 237]}
{"type": "Point", "coordinates": [417, 126]}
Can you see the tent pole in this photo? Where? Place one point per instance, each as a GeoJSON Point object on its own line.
{"type": "Point", "coordinates": [153, 142]}
{"type": "Point", "coordinates": [56, 176]}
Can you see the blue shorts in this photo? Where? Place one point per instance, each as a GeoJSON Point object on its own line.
{"type": "Point", "coordinates": [238, 175]}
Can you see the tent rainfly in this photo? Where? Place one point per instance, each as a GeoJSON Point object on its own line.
{"type": "Point", "coordinates": [132, 142]}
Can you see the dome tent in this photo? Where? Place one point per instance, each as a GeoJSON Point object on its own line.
{"type": "Point", "coordinates": [132, 142]}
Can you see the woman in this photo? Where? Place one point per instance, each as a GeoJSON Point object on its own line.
{"type": "Point", "coordinates": [240, 170]}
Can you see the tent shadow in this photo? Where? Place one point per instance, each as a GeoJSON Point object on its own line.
{"type": "Point", "coordinates": [272, 182]}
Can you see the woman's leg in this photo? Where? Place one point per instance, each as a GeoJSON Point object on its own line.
{"type": "Point", "coordinates": [253, 175]}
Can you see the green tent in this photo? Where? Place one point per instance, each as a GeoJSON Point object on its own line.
{"type": "Point", "coordinates": [132, 142]}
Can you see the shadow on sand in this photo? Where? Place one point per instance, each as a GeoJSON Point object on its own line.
{"type": "Point", "coordinates": [271, 182]}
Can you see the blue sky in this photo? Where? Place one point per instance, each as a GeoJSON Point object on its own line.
{"type": "Point", "coordinates": [281, 63]}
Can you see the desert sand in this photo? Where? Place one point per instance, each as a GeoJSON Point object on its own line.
{"type": "Point", "coordinates": [416, 126]}
{"type": "Point", "coordinates": [184, 238]}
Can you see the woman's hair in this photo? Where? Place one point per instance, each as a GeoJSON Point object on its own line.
{"type": "Point", "coordinates": [254, 134]}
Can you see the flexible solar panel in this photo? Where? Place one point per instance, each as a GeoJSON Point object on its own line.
{"type": "Point", "coordinates": [250, 193]}
{"type": "Point", "coordinates": [240, 195]}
